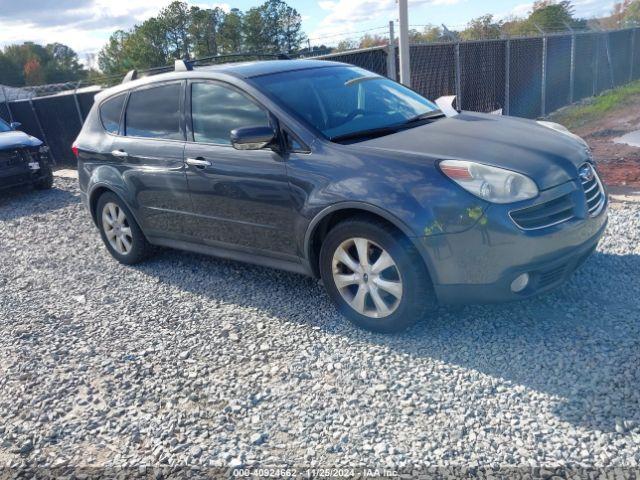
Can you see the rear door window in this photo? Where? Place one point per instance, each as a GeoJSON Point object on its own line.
{"type": "Point", "coordinates": [217, 109]}
{"type": "Point", "coordinates": [110, 112]}
{"type": "Point", "coordinates": [154, 112]}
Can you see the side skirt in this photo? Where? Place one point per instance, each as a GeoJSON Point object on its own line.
{"type": "Point", "coordinates": [231, 254]}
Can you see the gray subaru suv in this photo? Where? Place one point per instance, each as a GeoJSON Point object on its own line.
{"type": "Point", "coordinates": [328, 170]}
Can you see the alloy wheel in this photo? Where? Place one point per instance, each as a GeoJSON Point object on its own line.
{"type": "Point", "coordinates": [116, 228]}
{"type": "Point", "coordinates": [367, 277]}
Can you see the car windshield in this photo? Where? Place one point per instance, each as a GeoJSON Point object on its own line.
{"type": "Point", "coordinates": [4, 127]}
{"type": "Point", "coordinates": [342, 102]}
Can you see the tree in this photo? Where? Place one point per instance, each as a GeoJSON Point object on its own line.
{"type": "Point", "coordinates": [368, 41]}
{"type": "Point", "coordinates": [429, 34]}
{"type": "Point", "coordinates": [204, 30]}
{"type": "Point", "coordinates": [33, 74]}
{"type": "Point", "coordinates": [230, 33]}
{"type": "Point", "coordinates": [113, 56]}
{"type": "Point", "coordinates": [344, 45]}
{"type": "Point", "coordinates": [64, 64]}
{"type": "Point", "coordinates": [148, 44]}
{"type": "Point", "coordinates": [632, 14]}
{"type": "Point", "coordinates": [283, 24]}
{"type": "Point", "coordinates": [483, 27]}
{"type": "Point", "coordinates": [175, 19]}
{"type": "Point", "coordinates": [274, 26]}
{"type": "Point", "coordinates": [181, 31]}
{"type": "Point", "coordinates": [623, 14]}
{"type": "Point", "coordinates": [255, 35]}
{"type": "Point", "coordinates": [32, 64]}
{"type": "Point", "coordinates": [551, 16]}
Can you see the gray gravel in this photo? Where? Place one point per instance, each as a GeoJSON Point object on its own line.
{"type": "Point", "coordinates": [189, 360]}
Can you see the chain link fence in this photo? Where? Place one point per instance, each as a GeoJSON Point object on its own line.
{"type": "Point", "coordinates": [525, 77]}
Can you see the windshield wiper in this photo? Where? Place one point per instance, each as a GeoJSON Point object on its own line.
{"type": "Point", "coordinates": [357, 80]}
{"type": "Point", "coordinates": [389, 129]}
{"type": "Point", "coordinates": [425, 116]}
{"type": "Point", "coordinates": [372, 132]}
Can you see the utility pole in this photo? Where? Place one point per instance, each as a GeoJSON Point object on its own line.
{"type": "Point", "coordinates": [403, 26]}
{"type": "Point", "coordinates": [391, 54]}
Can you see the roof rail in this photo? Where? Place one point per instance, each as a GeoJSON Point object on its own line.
{"type": "Point", "coordinates": [231, 56]}
{"type": "Point", "coordinates": [187, 65]}
{"type": "Point", "coordinates": [182, 66]}
{"type": "Point", "coordinates": [131, 75]}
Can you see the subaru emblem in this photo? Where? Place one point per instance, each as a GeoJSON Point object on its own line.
{"type": "Point", "coordinates": [586, 173]}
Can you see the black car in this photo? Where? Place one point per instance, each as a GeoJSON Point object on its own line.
{"type": "Point", "coordinates": [328, 170]}
{"type": "Point", "coordinates": [23, 159]}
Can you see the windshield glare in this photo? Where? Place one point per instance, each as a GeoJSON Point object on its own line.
{"type": "Point", "coordinates": [4, 127]}
{"type": "Point", "coordinates": [340, 101]}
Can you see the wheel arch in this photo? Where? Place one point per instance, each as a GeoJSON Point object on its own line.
{"type": "Point", "coordinates": [330, 216]}
{"type": "Point", "coordinates": [97, 190]}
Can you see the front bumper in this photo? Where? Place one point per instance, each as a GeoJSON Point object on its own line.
{"type": "Point", "coordinates": [478, 265]}
{"type": "Point", "coordinates": [22, 166]}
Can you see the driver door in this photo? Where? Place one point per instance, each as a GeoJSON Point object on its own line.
{"type": "Point", "coordinates": [241, 198]}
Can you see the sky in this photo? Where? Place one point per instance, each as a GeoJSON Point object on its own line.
{"type": "Point", "coordinates": [85, 25]}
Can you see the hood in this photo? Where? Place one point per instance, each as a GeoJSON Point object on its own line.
{"type": "Point", "coordinates": [548, 157]}
{"type": "Point", "coordinates": [17, 139]}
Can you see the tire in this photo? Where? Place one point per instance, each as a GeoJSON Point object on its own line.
{"type": "Point", "coordinates": [407, 304]}
{"type": "Point", "coordinates": [46, 182]}
{"type": "Point", "coordinates": [123, 226]}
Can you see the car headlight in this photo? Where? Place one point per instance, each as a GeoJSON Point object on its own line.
{"type": "Point", "coordinates": [493, 184]}
{"type": "Point", "coordinates": [561, 129]}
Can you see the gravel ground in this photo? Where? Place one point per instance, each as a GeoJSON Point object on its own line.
{"type": "Point", "coordinates": [189, 360]}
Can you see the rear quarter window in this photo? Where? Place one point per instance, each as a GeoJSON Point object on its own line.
{"type": "Point", "coordinates": [154, 112]}
{"type": "Point", "coordinates": [110, 112]}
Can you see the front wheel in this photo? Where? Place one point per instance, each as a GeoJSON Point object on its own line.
{"type": "Point", "coordinates": [375, 276]}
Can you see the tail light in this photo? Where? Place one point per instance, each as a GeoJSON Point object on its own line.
{"type": "Point", "coordinates": [74, 149]}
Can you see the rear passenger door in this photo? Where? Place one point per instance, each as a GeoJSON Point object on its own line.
{"type": "Point", "coordinates": [241, 198]}
{"type": "Point", "coordinates": [151, 152]}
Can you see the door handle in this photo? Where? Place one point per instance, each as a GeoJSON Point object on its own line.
{"type": "Point", "coordinates": [198, 162]}
{"type": "Point", "coordinates": [119, 153]}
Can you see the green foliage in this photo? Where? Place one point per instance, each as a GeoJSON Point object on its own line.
{"type": "Point", "coordinates": [481, 28]}
{"type": "Point", "coordinates": [429, 34]}
{"type": "Point", "coordinates": [231, 32]}
{"type": "Point", "coordinates": [181, 31]}
{"type": "Point", "coordinates": [594, 108]}
{"type": "Point", "coordinates": [33, 64]}
{"type": "Point", "coordinates": [550, 16]}
{"type": "Point", "coordinates": [546, 15]}
{"type": "Point", "coordinates": [368, 41]}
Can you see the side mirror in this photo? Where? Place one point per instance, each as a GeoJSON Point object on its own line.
{"type": "Point", "coordinates": [252, 138]}
{"type": "Point", "coordinates": [15, 125]}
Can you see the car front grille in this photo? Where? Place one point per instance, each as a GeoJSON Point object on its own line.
{"type": "Point", "coordinates": [10, 158]}
{"type": "Point", "coordinates": [593, 190]}
{"type": "Point", "coordinates": [545, 214]}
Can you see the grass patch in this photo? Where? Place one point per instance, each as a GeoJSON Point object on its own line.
{"type": "Point", "coordinates": [578, 115]}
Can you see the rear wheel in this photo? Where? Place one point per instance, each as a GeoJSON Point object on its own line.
{"type": "Point", "coordinates": [375, 276]}
{"type": "Point", "coordinates": [120, 232]}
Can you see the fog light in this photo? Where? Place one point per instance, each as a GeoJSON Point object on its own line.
{"type": "Point", "coordinates": [520, 283]}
